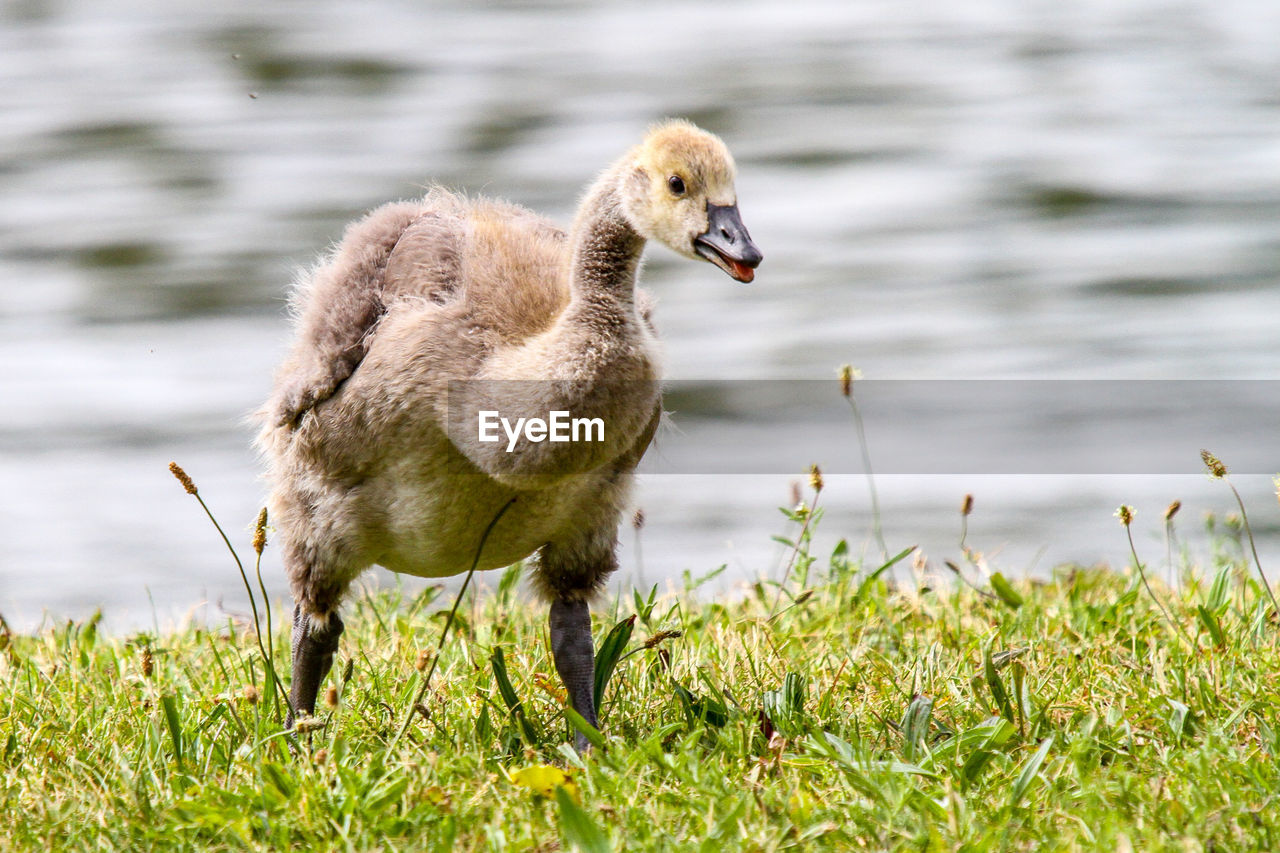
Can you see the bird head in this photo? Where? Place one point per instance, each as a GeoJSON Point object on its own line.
{"type": "Point", "coordinates": [679, 191]}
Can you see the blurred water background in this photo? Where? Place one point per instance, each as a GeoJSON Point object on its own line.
{"type": "Point", "coordinates": [993, 189]}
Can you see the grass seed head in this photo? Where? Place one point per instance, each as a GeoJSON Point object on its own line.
{"type": "Point", "coordinates": [660, 636]}
{"type": "Point", "coordinates": [423, 661]}
{"type": "Point", "coordinates": [1171, 510]}
{"type": "Point", "coordinates": [148, 662]}
{"type": "Point", "coordinates": [846, 379]}
{"type": "Point", "coordinates": [331, 697]}
{"type": "Point", "coordinates": [637, 520]}
{"type": "Point", "coordinates": [815, 477]}
{"type": "Point", "coordinates": [302, 725]}
{"type": "Point", "coordinates": [1125, 514]}
{"type": "Point", "coordinates": [183, 478]}
{"type": "Point", "coordinates": [251, 694]}
{"type": "Point", "coordinates": [1217, 470]}
{"type": "Point", "coordinates": [260, 532]}
{"type": "Point", "coordinates": [967, 507]}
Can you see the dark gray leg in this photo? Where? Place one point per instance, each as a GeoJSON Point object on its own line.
{"type": "Point", "coordinates": [314, 644]}
{"type": "Point", "coordinates": [575, 658]}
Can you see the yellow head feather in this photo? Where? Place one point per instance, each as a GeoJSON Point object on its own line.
{"type": "Point", "coordinates": [700, 159]}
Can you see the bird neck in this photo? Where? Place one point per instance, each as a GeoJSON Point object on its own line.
{"type": "Point", "coordinates": [606, 248]}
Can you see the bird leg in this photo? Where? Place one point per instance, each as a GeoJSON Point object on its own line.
{"type": "Point", "coordinates": [575, 658]}
{"type": "Point", "coordinates": [314, 642]}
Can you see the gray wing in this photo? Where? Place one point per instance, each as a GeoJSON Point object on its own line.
{"type": "Point", "coordinates": [404, 248]}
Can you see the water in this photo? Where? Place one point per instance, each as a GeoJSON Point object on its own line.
{"type": "Point", "coordinates": [998, 190]}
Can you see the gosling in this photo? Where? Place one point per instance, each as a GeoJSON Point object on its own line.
{"type": "Point", "coordinates": [434, 317]}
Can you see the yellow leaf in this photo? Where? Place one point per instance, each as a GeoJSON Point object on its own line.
{"type": "Point", "coordinates": [437, 796]}
{"type": "Point", "coordinates": [543, 779]}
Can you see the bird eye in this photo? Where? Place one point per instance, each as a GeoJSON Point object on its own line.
{"type": "Point", "coordinates": [676, 184]}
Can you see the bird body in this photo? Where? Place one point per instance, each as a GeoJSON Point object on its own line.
{"type": "Point", "coordinates": [430, 314]}
{"type": "Point", "coordinates": [365, 466]}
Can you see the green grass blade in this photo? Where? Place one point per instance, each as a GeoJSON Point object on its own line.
{"type": "Point", "coordinates": [498, 663]}
{"type": "Point", "coordinates": [1181, 719]}
{"type": "Point", "coordinates": [1005, 590]}
{"type": "Point", "coordinates": [784, 707]}
{"type": "Point", "coordinates": [886, 566]}
{"type": "Point", "coordinates": [590, 732]}
{"type": "Point", "coordinates": [612, 647]}
{"type": "Point", "coordinates": [170, 706]}
{"type": "Point", "coordinates": [915, 725]}
{"type": "Point", "coordinates": [1212, 624]}
{"type": "Point", "coordinates": [1220, 591]}
{"type": "Point", "coordinates": [1029, 771]}
{"type": "Point", "coordinates": [996, 685]}
{"type": "Point", "coordinates": [980, 744]}
{"type": "Point", "coordinates": [644, 606]}
{"type": "Point", "coordinates": [278, 778]}
{"type": "Point", "coordinates": [579, 830]}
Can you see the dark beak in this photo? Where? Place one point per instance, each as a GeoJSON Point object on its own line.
{"type": "Point", "coordinates": [727, 244]}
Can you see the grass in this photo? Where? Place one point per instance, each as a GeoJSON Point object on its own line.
{"type": "Point", "coordinates": [834, 713]}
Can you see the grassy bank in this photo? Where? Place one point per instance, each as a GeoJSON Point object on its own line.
{"type": "Point", "coordinates": [832, 713]}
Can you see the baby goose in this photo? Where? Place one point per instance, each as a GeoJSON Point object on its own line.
{"type": "Point", "coordinates": [411, 333]}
